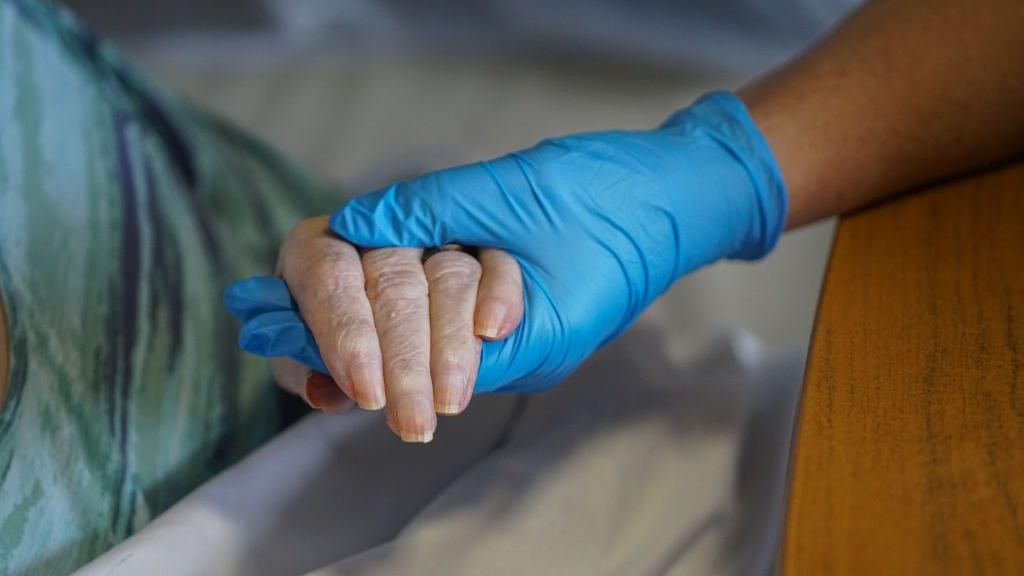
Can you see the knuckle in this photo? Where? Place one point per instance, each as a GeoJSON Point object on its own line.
{"type": "Point", "coordinates": [383, 258]}
{"type": "Point", "coordinates": [332, 308]}
{"type": "Point", "coordinates": [363, 354]}
{"type": "Point", "coordinates": [398, 283]}
{"type": "Point", "coordinates": [409, 363]}
{"type": "Point", "coordinates": [453, 270]}
{"type": "Point", "coordinates": [309, 227]}
{"type": "Point", "coordinates": [454, 333]}
{"type": "Point", "coordinates": [352, 324]}
{"type": "Point", "coordinates": [358, 341]}
{"type": "Point", "coordinates": [456, 356]}
{"type": "Point", "coordinates": [458, 333]}
{"type": "Point", "coordinates": [502, 286]}
{"type": "Point", "coordinates": [328, 265]}
{"type": "Point", "coordinates": [301, 231]}
{"type": "Point", "coordinates": [328, 261]}
{"type": "Point", "coordinates": [332, 289]}
{"type": "Point", "coordinates": [305, 229]}
{"type": "Point", "coordinates": [494, 258]}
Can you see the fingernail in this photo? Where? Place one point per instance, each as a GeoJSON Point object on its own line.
{"type": "Point", "coordinates": [311, 399]}
{"type": "Point", "coordinates": [415, 419]}
{"type": "Point", "coordinates": [376, 401]}
{"type": "Point", "coordinates": [421, 438]}
{"type": "Point", "coordinates": [370, 387]}
{"type": "Point", "coordinates": [323, 394]}
{"type": "Point", "coordinates": [455, 386]}
{"type": "Point", "coordinates": [492, 318]}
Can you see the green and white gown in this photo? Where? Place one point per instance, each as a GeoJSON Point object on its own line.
{"type": "Point", "coordinates": [124, 214]}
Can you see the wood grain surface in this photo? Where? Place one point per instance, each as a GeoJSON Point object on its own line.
{"type": "Point", "coordinates": [909, 453]}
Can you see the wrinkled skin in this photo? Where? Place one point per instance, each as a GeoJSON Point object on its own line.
{"type": "Point", "coordinates": [393, 330]}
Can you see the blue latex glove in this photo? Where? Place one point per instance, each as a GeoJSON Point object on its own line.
{"type": "Point", "coordinates": [602, 224]}
{"type": "Point", "coordinates": [272, 325]}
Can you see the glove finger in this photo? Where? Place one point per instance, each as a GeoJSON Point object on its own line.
{"type": "Point", "coordinates": [465, 205]}
{"type": "Point", "coordinates": [249, 298]}
{"type": "Point", "coordinates": [539, 353]}
{"type": "Point", "coordinates": [281, 333]}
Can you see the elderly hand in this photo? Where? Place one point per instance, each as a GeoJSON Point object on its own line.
{"type": "Point", "coordinates": [389, 328]}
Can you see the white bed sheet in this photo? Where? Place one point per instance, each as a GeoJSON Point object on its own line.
{"type": "Point", "coordinates": [636, 465]}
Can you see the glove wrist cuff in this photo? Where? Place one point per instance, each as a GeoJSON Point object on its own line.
{"type": "Point", "coordinates": [724, 117]}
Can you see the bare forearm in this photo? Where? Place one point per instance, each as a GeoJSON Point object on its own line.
{"type": "Point", "coordinates": [903, 92]}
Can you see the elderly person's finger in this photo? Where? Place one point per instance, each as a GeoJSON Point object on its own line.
{"type": "Point", "coordinates": [319, 390]}
{"type": "Point", "coordinates": [397, 289]}
{"type": "Point", "coordinates": [499, 301]}
{"type": "Point", "coordinates": [453, 277]}
{"type": "Point", "coordinates": [325, 275]}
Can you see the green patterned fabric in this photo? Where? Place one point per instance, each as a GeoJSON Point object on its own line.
{"type": "Point", "coordinates": [123, 216]}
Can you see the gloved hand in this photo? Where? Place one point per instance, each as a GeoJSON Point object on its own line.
{"type": "Point", "coordinates": [272, 323]}
{"type": "Point", "coordinates": [602, 224]}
